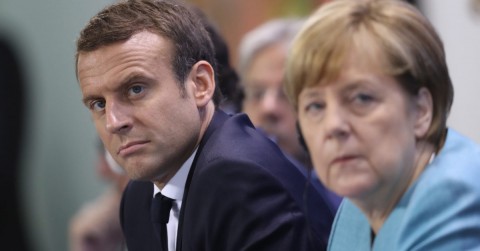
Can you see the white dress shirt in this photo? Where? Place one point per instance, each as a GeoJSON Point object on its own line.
{"type": "Point", "coordinates": [174, 189]}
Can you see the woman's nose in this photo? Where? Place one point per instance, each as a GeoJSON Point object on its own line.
{"type": "Point", "coordinates": [336, 122]}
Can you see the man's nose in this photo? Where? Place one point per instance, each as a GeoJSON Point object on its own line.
{"type": "Point", "coordinates": [118, 119]}
{"type": "Point", "coordinates": [272, 101]}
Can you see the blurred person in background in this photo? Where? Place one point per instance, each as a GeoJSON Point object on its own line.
{"type": "Point", "coordinates": [262, 59]}
{"type": "Point", "coordinates": [373, 98]}
{"type": "Point", "coordinates": [96, 226]}
{"type": "Point", "coordinates": [476, 6]}
{"type": "Point", "coordinates": [228, 79]}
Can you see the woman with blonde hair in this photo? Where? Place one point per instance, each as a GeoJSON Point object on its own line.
{"type": "Point", "coordinates": [372, 90]}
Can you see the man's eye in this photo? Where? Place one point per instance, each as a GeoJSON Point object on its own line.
{"type": "Point", "coordinates": [254, 94]}
{"type": "Point", "coordinates": [135, 90]}
{"type": "Point", "coordinates": [97, 105]}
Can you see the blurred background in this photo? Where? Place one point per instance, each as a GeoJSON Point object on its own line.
{"type": "Point", "coordinates": [48, 150]}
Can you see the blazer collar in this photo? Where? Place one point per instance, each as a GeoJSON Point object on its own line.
{"type": "Point", "coordinates": [219, 117]}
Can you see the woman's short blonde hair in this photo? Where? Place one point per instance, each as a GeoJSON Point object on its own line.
{"type": "Point", "coordinates": [391, 34]}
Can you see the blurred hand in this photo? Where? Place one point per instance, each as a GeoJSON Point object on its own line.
{"type": "Point", "coordinates": [96, 226]}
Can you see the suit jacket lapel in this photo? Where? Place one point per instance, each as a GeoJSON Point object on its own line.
{"type": "Point", "coordinates": [218, 119]}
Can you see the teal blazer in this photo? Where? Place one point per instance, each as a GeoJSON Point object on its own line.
{"type": "Point", "coordinates": [440, 211]}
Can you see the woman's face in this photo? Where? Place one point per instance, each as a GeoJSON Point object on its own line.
{"type": "Point", "coordinates": [360, 130]}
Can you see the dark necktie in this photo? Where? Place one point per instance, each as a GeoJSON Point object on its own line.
{"type": "Point", "coordinates": [161, 207]}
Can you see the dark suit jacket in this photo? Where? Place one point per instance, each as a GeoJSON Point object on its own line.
{"type": "Point", "coordinates": [241, 194]}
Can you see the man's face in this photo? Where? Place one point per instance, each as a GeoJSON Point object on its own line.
{"type": "Point", "coordinates": [265, 102]}
{"type": "Point", "coordinates": [146, 121]}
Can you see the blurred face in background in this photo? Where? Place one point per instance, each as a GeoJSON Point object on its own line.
{"type": "Point", "coordinates": [265, 102]}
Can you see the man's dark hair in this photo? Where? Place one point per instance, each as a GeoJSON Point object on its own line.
{"type": "Point", "coordinates": [172, 20]}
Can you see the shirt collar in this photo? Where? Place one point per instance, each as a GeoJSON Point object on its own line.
{"type": "Point", "coordinates": [176, 185]}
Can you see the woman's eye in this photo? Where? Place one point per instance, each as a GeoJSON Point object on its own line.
{"type": "Point", "coordinates": [314, 108]}
{"type": "Point", "coordinates": [363, 98]}
{"type": "Point", "coordinates": [361, 103]}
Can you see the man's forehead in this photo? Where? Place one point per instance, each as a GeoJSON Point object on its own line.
{"type": "Point", "coordinates": [144, 40]}
{"type": "Point", "coordinates": [144, 47]}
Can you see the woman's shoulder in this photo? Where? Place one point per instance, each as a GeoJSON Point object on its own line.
{"type": "Point", "coordinates": [450, 177]}
{"type": "Point", "coordinates": [459, 149]}
{"type": "Point", "coordinates": [444, 202]}
{"type": "Point", "coordinates": [456, 165]}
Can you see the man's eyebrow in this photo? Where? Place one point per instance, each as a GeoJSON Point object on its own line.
{"type": "Point", "coordinates": [129, 79]}
{"type": "Point", "coordinates": [87, 99]}
{"type": "Point", "coordinates": [133, 77]}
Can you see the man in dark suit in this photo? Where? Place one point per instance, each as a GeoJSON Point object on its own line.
{"type": "Point", "coordinates": [146, 72]}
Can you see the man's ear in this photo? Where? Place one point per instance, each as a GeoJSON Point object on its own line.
{"type": "Point", "coordinates": [203, 77]}
{"type": "Point", "coordinates": [424, 112]}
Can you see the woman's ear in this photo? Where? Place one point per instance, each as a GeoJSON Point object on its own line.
{"type": "Point", "coordinates": [301, 139]}
{"type": "Point", "coordinates": [203, 77]}
{"type": "Point", "coordinates": [424, 112]}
